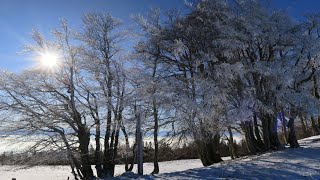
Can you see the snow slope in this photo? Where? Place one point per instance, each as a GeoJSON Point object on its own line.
{"type": "Point", "coordinates": [302, 163]}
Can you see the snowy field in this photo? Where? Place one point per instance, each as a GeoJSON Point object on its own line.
{"type": "Point", "coordinates": [302, 163]}
{"type": "Point", "coordinates": [62, 172]}
{"type": "Point", "coordinates": [291, 164]}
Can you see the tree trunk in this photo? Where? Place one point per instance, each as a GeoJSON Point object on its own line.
{"type": "Point", "coordinates": [74, 163]}
{"type": "Point", "coordinates": [303, 126]}
{"type": "Point", "coordinates": [115, 150]}
{"type": "Point", "coordinates": [284, 126]}
{"type": "Point", "coordinates": [83, 133]}
{"type": "Point", "coordinates": [257, 132]}
{"type": "Point", "coordinates": [139, 144]}
{"type": "Point", "coordinates": [155, 116]}
{"type": "Point", "coordinates": [270, 133]}
{"type": "Point", "coordinates": [116, 141]}
{"type": "Point", "coordinates": [127, 168]}
{"type": "Point", "coordinates": [251, 141]}
{"type": "Point", "coordinates": [84, 140]}
{"type": "Point", "coordinates": [274, 140]}
{"type": "Point", "coordinates": [265, 132]}
{"type": "Point", "coordinates": [107, 165]}
{"type": "Point", "coordinates": [134, 159]}
{"type": "Point", "coordinates": [315, 128]}
{"type": "Point", "coordinates": [232, 151]}
{"type": "Point", "coordinates": [97, 155]}
{"type": "Point", "coordinates": [292, 139]}
{"type": "Point", "coordinates": [208, 150]}
{"type": "Point", "coordinates": [155, 138]}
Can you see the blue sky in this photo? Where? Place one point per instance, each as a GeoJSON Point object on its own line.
{"type": "Point", "coordinates": [19, 17]}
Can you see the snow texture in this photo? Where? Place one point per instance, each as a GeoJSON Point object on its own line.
{"type": "Point", "coordinates": [301, 163]}
{"type": "Point", "coordinates": [62, 172]}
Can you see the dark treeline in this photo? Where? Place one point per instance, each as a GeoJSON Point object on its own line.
{"type": "Point", "coordinates": [166, 153]}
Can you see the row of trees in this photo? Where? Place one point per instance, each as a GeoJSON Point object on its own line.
{"type": "Point", "coordinates": [217, 67]}
{"type": "Point", "coordinates": [167, 152]}
{"type": "Point", "coordinates": [227, 65]}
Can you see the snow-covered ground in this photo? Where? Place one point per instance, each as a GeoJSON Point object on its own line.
{"type": "Point", "coordinates": [302, 163]}
{"type": "Point", "coordinates": [62, 172]}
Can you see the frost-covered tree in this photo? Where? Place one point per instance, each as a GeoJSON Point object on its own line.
{"type": "Point", "coordinates": [235, 64]}
{"type": "Point", "coordinates": [182, 49]}
{"type": "Point", "coordinates": [279, 67]}
{"type": "Point", "coordinates": [85, 90]}
{"type": "Point", "coordinates": [100, 59]}
{"type": "Point", "coordinates": [152, 87]}
{"type": "Point", "coordinates": [47, 102]}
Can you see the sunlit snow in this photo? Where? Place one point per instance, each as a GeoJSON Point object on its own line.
{"type": "Point", "coordinates": [302, 163]}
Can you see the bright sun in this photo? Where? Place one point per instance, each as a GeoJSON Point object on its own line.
{"type": "Point", "coordinates": [49, 60]}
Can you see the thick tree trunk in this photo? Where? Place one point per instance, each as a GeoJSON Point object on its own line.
{"type": "Point", "coordinates": [270, 133]}
{"type": "Point", "coordinates": [110, 162]}
{"type": "Point", "coordinates": [275, 143]}
{"type": "Point", "coordinates": [315, 128]}
{"type": "Point", "coordinates": [84, 140]}
{"type": "Point", "coordinates": [265, 132]}
{"type": "Point", "coordinates": [257, 133]}
{"type": "Point", "coordinates": [251, 141]}
{"type": "Point", "coordinates": [108, 166]}
{"type": "Point", "coordinates": [208, 150]}
{"type": "Point", "coordinates": [303, 127]}
{"type": "Point", "coordinates": [292, 139]}
{"type": "Point", "coordinates": [253, 138]}
{"type": "Point", "coordinates": [118, 124]}
{"type": "Point", "coordinates": [139, 140]}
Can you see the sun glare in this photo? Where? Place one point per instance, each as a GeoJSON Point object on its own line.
{"type": "Point", "coordinates": [49, 60]}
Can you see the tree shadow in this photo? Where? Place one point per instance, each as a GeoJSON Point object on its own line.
{"type": "Point", "coordinates": [278, 165]}
{"type": "Point", "coordinates": [240, 171]}
{"type": "Point", "coordinates": [301, 163]}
